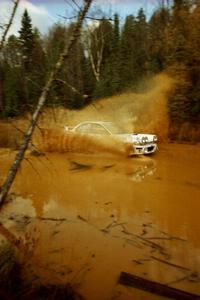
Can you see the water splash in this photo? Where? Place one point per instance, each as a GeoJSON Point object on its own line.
{"type": "Point", "coordinates": [144, 111]}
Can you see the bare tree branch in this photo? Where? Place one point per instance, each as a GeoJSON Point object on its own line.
{"type": "Point", "coordinates": [76, 4]}
{"type": "Point", "coordinates": [74, 90]}
{"type": "Point", "coordinates": [16, 3]}
{"type": "Point", "coordinates": [70, 4]}
{"type": "Point", "coordinates": [88, 17]}
{"type": "Point", "coordinates": [42, 100]}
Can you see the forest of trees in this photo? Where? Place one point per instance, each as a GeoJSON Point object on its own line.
{"type": "Point", "coordinates": [108, 58]}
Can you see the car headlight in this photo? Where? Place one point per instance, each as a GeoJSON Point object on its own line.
{"type": "Point", "coordinates": [155, 138]}
{"type": "Point", "coordinates": [144, 139]}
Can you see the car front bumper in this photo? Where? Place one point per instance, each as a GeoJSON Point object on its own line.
{"type": "Point", "coordinates": [145, 149]}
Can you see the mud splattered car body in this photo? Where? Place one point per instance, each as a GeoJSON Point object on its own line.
{"type": "Point", "coordinates": [142, 143]}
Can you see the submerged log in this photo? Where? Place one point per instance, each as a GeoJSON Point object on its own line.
{"type": "Point", "coordinates": [155, 287]}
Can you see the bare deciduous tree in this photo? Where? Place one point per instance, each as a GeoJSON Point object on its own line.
{"type": "Point", "coordinates": [96, 67]}
{"type": "Point", "coordinates": [7, 26]}
{"type": "Point", "coordinates": [42, 100]}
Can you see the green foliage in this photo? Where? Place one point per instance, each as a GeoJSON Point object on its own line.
{"type": "Point", "coordinates": [26, 40]}
{"type": "Point", "coordinates": [108, 58]}
{"type": "Point", "coordinates": [12, 93]}
{"type": "Point", "coordinates": [110, 81]}
{"type": "Point", "coordinates": [127, 51]}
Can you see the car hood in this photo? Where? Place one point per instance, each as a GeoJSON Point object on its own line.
{"type": "Point", "coordinates": [144, 137]}
{"type": "Point", "coordinates": [139, 137]}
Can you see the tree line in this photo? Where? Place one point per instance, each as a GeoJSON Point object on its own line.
{"type": "Point", "coordinates": [109, 57]}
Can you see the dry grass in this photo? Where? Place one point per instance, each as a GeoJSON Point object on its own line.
{"type": "Point", "coordinates": [13, 285]}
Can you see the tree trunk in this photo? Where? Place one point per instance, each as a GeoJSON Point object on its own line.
{"type": "Point", "coordinates": [42, 99]}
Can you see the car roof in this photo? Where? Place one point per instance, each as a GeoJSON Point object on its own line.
{"type": "Point", "coordinates": [101, 123]}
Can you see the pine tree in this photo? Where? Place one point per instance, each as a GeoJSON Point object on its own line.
{"type": "Point", "coordinates": [12, 92]}
{"type": "Point", "coordinates": [116, 34]}
{"type": "Point", "coordinates": [37, 74]}
{"type": "Point", "coordinates": [26, 39]}
{"type": "Point", "coordinates": [12, 79]}
{"type": "Point", "coordinates": [141, 47]}
{"type": "Point", "coordinates": [110, 82]}
{"type": "Point", "coordinates": [115, 57]}
{"type": "Point", "coordinates": [158, 40]}
{"type": "Point", "coordinates": [127, 51]}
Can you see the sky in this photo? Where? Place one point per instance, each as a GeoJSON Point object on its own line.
{"type": "Point", "coordinates": [44, 13]}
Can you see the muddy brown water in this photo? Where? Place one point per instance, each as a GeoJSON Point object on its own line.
{"type": "Point", "coordinates": [87, 217]}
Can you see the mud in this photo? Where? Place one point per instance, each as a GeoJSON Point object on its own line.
{"type": "Point", "coordinates": [81, 212]}
{"type": "Point", "coordinates": [84, 218]}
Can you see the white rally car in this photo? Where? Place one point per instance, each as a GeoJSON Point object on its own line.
{"type": "Point", "coordinates": [142, 143]}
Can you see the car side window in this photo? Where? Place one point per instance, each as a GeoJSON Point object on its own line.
{"type": "Point", "coordinates": [84, 128]}
{"type": "Point", "coordinates": [92, 129]}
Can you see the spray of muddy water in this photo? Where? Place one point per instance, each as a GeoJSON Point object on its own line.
{"type": "Point", "coordinates": [145, 111]}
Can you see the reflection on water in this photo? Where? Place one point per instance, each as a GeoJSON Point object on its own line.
{"type": "Point", "coordinates": [91, 217]}
{"type": "Point", "coordinates": [144, 170]}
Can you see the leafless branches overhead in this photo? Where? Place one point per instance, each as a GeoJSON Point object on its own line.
{"type": "Point", "coordinates": [7, 27]}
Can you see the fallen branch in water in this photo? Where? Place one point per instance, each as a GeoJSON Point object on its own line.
{"type": "Point", "coordinates": [145, 241]}
{"type": "Point", "coordinates": [51, 219]}
{"type": "Point", "coordinates": [155, 287]}
{"type": "Point", "coordinates": [170, 264]}
{"type": "Point", "coordinates": [110, 226]}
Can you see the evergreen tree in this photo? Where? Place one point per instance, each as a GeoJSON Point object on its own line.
{"type": "Point", "coordinates": [116, 35]}
{"type": "Point", "coordinates": [127, 51]}
{"type": "Point", "coordinates": [158, 41]}
{"type": "Point", "coordinates": [110, 82]}
{"type": "Point", "coordinates": [12, 53]}
{"type": "Point", "coordinates": [11, 78]}
{"type": "Point", "coordinates": [115, 57]}
{"type": "Point", "coordinates": [12, 92]}
{"type": "Point", "coordinates": [26, 39]}
{"type": "Point", "coordinates": [141, 47]}
{"type": "Point", "coordinates": [37, 74]}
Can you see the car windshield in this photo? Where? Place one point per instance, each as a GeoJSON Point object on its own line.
{"type": "Point", "coordinates": [105, 128]}
{"type": "Point", "coordinates": [93, 128]}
